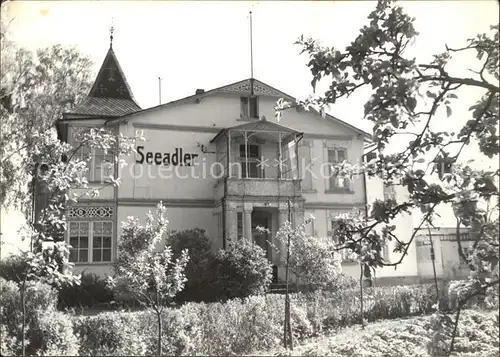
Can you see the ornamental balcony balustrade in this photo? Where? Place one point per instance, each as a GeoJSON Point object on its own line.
{"type": "Point", "coordinates": [258, 158]}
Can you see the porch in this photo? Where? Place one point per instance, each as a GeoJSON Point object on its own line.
{"type": "Point", "coordinates": [258, 150]}
{"type": "Point", "coordinates": [259, 184]}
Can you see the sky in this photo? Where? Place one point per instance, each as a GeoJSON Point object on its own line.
{"type": "Point", "coordinates": [206, 44]}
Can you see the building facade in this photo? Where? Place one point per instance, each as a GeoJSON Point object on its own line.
{"type": "Point", "coordinates": [219, 161]}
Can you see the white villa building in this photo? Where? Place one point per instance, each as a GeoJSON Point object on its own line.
{"type": "Point", "coordinates": [218, 164]}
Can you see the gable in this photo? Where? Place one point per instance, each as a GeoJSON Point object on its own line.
{"type": "Point", "coordinates": [220, 107]}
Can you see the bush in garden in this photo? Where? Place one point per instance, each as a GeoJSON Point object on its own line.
{"type": "Point", "coordinates": [12, 268]}
{"type": "Point", "coordinates": [241, 271]}
{"type": "Point", "coordinates": [341, 283]}
{"type": "Point", "coordinates": [181, 332]}
{"type": "Point", "coordinates": [51, 334]}
{"type": "Point", "coordinates": [198, 270]}
{"type": "Point", "coordinates": [92, 291]}
{"type": "Point", "coordinates": [47, 330]}
{"type": "Point", "coordinates": [9, 345]}
{"type": "Point", "coordinates": [110, 334]}
{"type": "Point", "coordinates": [39, 296]}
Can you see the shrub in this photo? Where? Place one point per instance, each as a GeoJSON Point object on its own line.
{"type": "Point", "coordinates": [39, 296]}
{"type": "Point", "coordinates": [51, 334]}
{"type": "Point", "coordinates": [11, 268]}
{"type": "Point", "coordinates": [47, 331]}
{"type": "Point", "coordinates": [91, 292]}
{"type": "Point", "coordinates": [201, 258]}
{"type": "Point", "coordinates": [110, 334]}
{"type": "Point", "coordinates": [241, 271]}
{"type": "Point", "coordinates": [181, 331]}
{"type": "Point", "coordinates": [9, 345]}
{"type": "Point", "coordinates": [341, 283]}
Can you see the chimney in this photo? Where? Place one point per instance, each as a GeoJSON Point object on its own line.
{"type": "Point", "coordinates": [200, 91]}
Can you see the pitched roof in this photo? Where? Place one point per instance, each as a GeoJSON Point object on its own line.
{"type": "Point", "coordinates": [244, 87]}
{"type": "Point", "coordinates": [110, 95]}
{"type": "Point", "coordinates": [258, 125]}
{"type": "Point", "coordinates": [105, 107]}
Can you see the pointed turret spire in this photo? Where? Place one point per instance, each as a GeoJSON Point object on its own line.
{"type": "Point", "coordinates": [110, 94]}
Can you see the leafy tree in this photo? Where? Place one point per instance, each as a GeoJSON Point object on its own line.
{"type": "Point", "coordinates": [144, 270]}
{"type": "Point", "coordinates": [313, 260]}
{"type": "Point", "coordinates": [407, 100]}
{"type": "Point", "coordinates": [34, 90]}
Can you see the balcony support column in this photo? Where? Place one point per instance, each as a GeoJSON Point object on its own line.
{"type": "Point", "coordinates": [247, 224]}
{"type": "Point", "coordinates": [279, 156]}
{"type": "Point", "coordinates": [228, 164]}
{"type": "Point", "coordinates": [282, 218]}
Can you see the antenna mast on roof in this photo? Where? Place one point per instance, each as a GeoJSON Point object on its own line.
{"type": "Point", "coordinates": [251, 57]}
{"type": "Point", "coordinates": [159, 88]}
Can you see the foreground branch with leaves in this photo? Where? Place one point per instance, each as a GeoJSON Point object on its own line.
{"type": "Point", "coordinates": [407, 100]}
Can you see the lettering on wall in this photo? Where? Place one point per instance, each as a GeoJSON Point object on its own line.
{"type": "Point", "coordinates": [176, 158]}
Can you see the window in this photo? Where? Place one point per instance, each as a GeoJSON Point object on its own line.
{"type": "Point", "coordinates": [389, 192]}
{"type": "Point", "coordinates": [335, 181]}
{"type": "Point", "coordinates": [305, 163]}
{"type": "Point", "coordinates": [253, 151]}
{"type": "Point", "coordinates": [99, 165]}
{"type": "Point", "coordinates": [79, 241]}
{"type": "Point", "coordinates": [239, 220]}
{"type": "Point", "coordinates": [386, 255]}
{"type": "Point", "coordinates": [443, 166]}
{"type": "Point", "coordinates": [249, 107]}
{"type": "Point", "coordinates": [254, 169]}
{"type": "Point", "coordinates": [370, 156]}
{"type": "Point", "coordinates": [344, 252]}
{"type": "Point", "coordinates": [423, 251]}
{"type": "Point", "coordinates": [90, 241]}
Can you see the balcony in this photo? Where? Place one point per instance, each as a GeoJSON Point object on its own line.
{"type": "Point", "coordinates": [258, 187]}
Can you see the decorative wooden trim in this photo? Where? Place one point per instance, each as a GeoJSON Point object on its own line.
{"type": "Point", "coordinates": [169, 202]}
{"type": "Point", "coordinates": [91, 212]}
{"type": "Point", "coordinates": [332, 205]}
{"type": "Point", "coordinates": [200, 129]}
{"type": "Point", "coordinates": [313, 136]}
{"type": "Point", "coordinates": [339, 191]}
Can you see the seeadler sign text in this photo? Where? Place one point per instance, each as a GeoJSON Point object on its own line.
{"type": "Point", "coordinates": [177, 158]}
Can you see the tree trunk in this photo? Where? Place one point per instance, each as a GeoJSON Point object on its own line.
{"type": "Point", "coordinates": [23, 325]}
{"type": "Point", "coordinates": [287, 305]}
{"type": "Point", "coordinates": [158, 316]}
{"type": "Point", "coordinates": [361, 290]}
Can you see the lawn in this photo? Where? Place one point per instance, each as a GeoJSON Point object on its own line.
{"type": "Point", "coordinates": [477, 337]}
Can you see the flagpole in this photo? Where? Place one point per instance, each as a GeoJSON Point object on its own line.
{"type": "Point", "coordinates": [251, 56]}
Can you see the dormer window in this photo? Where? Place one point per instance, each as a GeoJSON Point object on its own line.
{"type": "Point", "coordinates": [443, 166]}
{"type": "Point", "coordinates": [249, 107]}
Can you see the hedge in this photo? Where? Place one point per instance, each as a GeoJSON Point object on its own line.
{"type": "Point", "coordinates": [235, 327]}
{"type": "Point", "coordinates": [241, 326]}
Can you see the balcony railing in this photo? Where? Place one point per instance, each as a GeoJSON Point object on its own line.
{"type": "Point", "coordinates": [259, 187]}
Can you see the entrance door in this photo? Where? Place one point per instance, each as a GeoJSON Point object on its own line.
{"type": "Point", "coordinates": [262, 219]}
